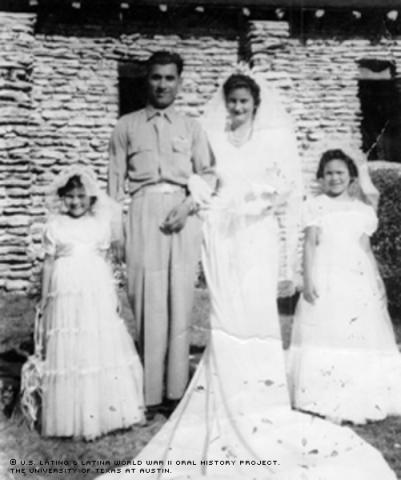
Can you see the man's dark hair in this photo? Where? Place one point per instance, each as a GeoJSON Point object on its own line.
{"type": "Point", "coordinates": [164, 57]}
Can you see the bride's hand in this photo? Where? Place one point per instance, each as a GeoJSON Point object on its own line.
{"type": "Point", "coordinates": [259, 202]}
{"type": "Point", "coordinates": [310, 293]}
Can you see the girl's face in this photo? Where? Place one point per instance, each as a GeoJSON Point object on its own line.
{"type": "Point", "coordinates": [77, 202]}
{"type": "Point", "coordinates": [336, 178]}
{"type": "Point", "coordinates": [240, 106]}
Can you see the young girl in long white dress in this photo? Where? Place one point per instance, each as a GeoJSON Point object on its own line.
{"type": "Point", "coordinates": [92, 376]}
{"type": "Point", "coordinates": [235, 420]}
{"type": "Point", "coordinates": [344, 363]}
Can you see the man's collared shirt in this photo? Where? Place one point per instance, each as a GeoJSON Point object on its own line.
{"type": "Point", "coordinates": [151, 146]}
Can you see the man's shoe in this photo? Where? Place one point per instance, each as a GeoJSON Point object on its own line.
{"type": "Point", "coordinates": [168, 406]}
{"type": "Point", "coordinates": [152, 411]}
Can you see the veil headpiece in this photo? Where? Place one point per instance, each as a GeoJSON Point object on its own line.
{"type": "Point", "coordinates": [87, 177]}
{"type": "Point", "coordinates": [270, 114]}
{"type": "Point", "coordinates": [104, 208]}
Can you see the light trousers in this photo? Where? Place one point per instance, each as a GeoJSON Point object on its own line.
{"type": "Point", "coordinates": [161, 271]}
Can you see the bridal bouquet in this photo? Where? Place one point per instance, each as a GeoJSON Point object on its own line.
{"type": "Point", "coordinates": [246, 198]}
{"type": "Point", "coordinates": [259, 199]}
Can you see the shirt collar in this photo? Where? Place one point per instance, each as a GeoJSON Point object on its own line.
{"type": "Point", "coordinates": [168, 112]}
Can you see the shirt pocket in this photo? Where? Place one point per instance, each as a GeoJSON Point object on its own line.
{"type": "Point", "coordinates": [181, 155]}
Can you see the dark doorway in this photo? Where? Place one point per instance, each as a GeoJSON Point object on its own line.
{"type": "Point", "coordinates": [380, 96]}
{"type": "Point", "coordinates": [132, 86]}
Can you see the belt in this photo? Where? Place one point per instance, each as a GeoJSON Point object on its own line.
{"type": "Point", "coordinates": [164, 187]}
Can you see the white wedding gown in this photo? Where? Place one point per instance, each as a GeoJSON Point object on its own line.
{"type": "Point", "coordinates": [235, 420]}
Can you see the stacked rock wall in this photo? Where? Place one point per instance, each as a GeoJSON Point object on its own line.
{"type": "Point", "coordinates": [16, 63]}
{"type": "Point", "coordinates": [59, 94]}
{"type": "Point", "coordinates": [319, 77]}
{"type": "Point", "coordinates": [73, 101]}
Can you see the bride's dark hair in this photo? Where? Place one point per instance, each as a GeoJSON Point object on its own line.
{"type": "Point", "coordinates": [239, 80]}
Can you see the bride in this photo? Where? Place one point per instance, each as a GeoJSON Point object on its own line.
{"type": "Point", "coordinates": [235, 420]}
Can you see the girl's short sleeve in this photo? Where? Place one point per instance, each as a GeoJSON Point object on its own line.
{"type": "Point", "coordinates": [310, 213]}
{"type": "Point", "coordinates": [371, 221]}
{"type": "Point", "coordinates": [49, 239]}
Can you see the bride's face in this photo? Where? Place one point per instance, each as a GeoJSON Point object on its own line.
{"type": "Point", "coordinates": [240, 106]}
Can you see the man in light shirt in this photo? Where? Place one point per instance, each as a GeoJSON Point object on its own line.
{"type": "Point", "coordinates": [158, 149]}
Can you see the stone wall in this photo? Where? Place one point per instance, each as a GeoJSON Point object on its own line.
{"type": "Point", "coordinates": [16, 62]}
{"type": "Point", "coordinates": [319, 78]}
{"type": "Point", "coordinates": [71, 103]}
{"type": "Point", "coordinates": [60, 100]}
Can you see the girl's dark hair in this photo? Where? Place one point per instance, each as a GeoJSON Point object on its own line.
{"type": "Point", "coordinates": [239, 80]}
{"type": "Point", "coordinates": [74, 181]}
{"type": "Point", "coordinates": [336, 154]}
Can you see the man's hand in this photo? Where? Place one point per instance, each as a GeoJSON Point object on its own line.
{"type": "Point", "coordinates": [176, 219]}
{"type": "Point", "coordinates": [118, 251]}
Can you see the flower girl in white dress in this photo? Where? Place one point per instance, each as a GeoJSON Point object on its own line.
{"type": "Point", "coordinates": [92, 377]}
{"type": "Point", "coordinates": [344, 363]}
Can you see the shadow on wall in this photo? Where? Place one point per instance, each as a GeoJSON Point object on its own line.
{"type": "Point", "coordinates": [131, 86]}
{"type": "Point", "coordinates": [380, 98]}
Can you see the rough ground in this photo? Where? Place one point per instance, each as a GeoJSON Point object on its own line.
{"type": "Point", "coordinates": [19, 443]}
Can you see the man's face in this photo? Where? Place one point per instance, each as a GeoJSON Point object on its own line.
{"type": "Point", "coordinates": [163, 85]}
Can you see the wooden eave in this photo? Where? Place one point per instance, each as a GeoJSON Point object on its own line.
{"type": "Point", "coordinates": [257, 4]}
{"type": "Point", "coordinates": [297, 4]}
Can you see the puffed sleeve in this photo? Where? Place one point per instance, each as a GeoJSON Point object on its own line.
{"type": "Point", "coordinates": [371, 221]}
{"type": "Point", "coordinates": [49, 238]}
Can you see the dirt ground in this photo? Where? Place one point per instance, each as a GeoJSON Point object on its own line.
{"type": "Point", "coordinates": [29, 451]}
